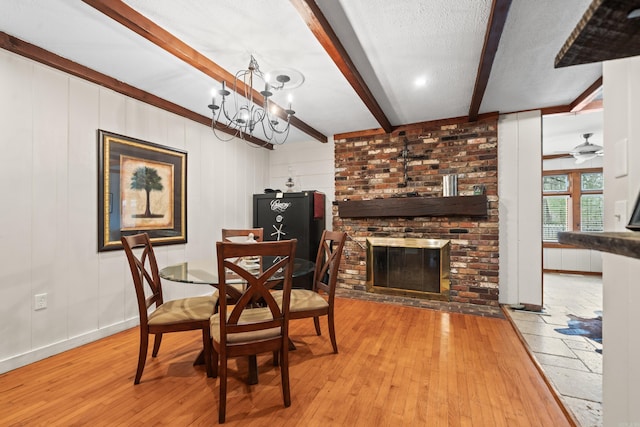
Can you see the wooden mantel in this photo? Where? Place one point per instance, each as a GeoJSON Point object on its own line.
{"type": "Point", "coordinates": [471, 206]}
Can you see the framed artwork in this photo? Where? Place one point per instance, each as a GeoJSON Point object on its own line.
{"type": "Point", "coordinates": [142, 187]}
{"type": "Point", "coordinates": [634, 222]}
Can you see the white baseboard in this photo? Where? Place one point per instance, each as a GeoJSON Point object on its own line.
{"type": "Point", "coordinates": [37, 354]}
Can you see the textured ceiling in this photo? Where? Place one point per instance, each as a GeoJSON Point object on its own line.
{"type": "Point", "coordinates": [391, 44]}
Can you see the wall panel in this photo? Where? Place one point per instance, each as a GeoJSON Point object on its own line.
{"type": "Point", "coordinates": [49, 144]}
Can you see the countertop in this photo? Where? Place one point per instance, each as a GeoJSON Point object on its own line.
{"type": "Point", "coordinates": [626, 243]}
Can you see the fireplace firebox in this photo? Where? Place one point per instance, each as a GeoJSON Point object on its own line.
{"type": "Point", "coordinates": [409, 267]}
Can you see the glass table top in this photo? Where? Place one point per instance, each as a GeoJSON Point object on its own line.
{"type": "Point", "coordinates": [205, 271]}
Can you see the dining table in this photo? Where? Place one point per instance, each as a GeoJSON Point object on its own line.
{"type": "Point", "coordinates": [205, 272]}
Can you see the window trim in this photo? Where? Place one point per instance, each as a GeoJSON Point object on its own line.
{"type": "Point", "coordinates": [574, 192]}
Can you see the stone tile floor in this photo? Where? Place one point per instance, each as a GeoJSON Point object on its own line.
{"type": "Point", "coordinates": [572, 363]}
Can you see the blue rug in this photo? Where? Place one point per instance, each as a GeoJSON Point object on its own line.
{"type": "Point", "coordinates": [590, 328]}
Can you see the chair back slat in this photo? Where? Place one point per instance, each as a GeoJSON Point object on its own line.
{"type": "Point", "coordinates": [330, 250]}
{"type": "Point", "coordinates": [144, 270]}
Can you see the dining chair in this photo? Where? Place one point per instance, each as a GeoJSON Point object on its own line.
{"type": "Point", "coordinates": [244, 328]}
{"type": "Point", "coordinates": [185, 314]}
{"type": "Point", "coordinates": [237, 234]}
{"type": "Point", "coordinates": [319, 300]}
{"type": "Point", "coordinates": [242, 235]}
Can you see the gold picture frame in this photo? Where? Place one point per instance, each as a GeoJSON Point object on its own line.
{"type": "Point", "coordinates": [142, 187]}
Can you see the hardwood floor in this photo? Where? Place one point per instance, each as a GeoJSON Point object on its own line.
{"type": "Point", "coordinates": [397, 365]}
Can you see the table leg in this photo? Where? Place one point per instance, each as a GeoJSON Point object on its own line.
{"type": "Point", "coordinates": [253, 370]}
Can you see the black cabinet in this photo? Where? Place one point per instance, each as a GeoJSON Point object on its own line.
{"type": "Point", "coordinates": [299, 215]}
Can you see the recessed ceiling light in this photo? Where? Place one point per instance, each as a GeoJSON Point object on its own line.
{"type": "Point", "coordinates": [420, 81]}
{"type": "Point", "coordinates": [635, 13]}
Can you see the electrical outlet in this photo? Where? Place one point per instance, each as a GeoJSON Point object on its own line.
{"type": "Point", "coordinates": [40, 301]}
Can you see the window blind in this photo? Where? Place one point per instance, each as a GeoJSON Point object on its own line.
{"type": "Point", "coordinates": [555, 216]}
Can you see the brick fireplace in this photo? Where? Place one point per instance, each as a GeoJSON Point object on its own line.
{"type": "Point", "coordinates": [401, 174]}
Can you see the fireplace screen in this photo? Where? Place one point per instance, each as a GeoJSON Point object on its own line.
{"type": "Point", "coordinates": [408, 266]}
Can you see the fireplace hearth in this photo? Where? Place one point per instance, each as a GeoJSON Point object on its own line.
{"type": "Point", "coordinates": [409, 267]}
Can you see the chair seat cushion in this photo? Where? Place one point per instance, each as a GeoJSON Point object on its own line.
{"type": "Point", "coordinates": [184, 310]}
{"type": "Point", "coordinates": [302, 300]}
{"type": "Point", "coordinates": [248, 316]}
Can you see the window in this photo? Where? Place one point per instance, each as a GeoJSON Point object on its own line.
{"type": "Point", "coordinates": [571, 201]}
{"type": "Point", "coordinates": [555, 214]}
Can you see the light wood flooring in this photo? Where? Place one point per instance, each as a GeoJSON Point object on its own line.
{"type": "Point", "coordinates": [397, 365]}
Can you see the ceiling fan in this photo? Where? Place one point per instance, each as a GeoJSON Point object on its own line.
{"type": "Point", "coordinates": [586, 150]}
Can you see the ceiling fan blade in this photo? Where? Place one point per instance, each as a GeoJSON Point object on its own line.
{"type": "Point", "coordinates": [581, 158]}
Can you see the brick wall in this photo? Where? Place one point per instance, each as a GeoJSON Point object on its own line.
{"type": "Point", "coordinates": [370, 167]}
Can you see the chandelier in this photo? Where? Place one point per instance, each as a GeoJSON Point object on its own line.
{"type": "Point", "coordinates": [240, 113]}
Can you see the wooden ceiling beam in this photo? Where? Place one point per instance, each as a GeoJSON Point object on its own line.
{"type": "Point", "coordinates": [35, 53]}
{"type": "Point", "coordinates": [141, 25]}
{"type": "Point", "coordinates": [584, 102]}
{"type": "Point", "coordinates": [586, 97]}
{"type": "Point", "coordinates": [321, 29]}
{"type": "Point", "coordinates": [495, 26]}
{"type": "Point", "coordinates": [556, 156]}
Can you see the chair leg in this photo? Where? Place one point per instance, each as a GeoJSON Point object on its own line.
{"type": "Point", "coordinates": [156, 344]}
{"type": "Point", "coordinates": [214, 362]}
{"type": "Point", "coordinates": [206, 343]}
{"type": "Point", "coordinates": [332, 332]}
{"type": "Point", "coordinates": [316, 323]}
{"type": "Point", "coordinates": [276, 358]}
{"type": "Point", "coordinates": [142, 355]}
{"type": "Point", "coordinates": [284, 373]}
{"type": "Point", "coordinates": [222, 405]}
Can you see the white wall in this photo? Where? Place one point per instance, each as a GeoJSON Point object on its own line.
{"type": "Point", "coordinates": [621, 288]}
{"type": "Point", "coordinates": [572, 260]}
{"type": "Point", "coordinates": [312, 167]}
{"type": "Point", "coordinates": [48, 188]}
{"type": "Point", "coordinates": [519, 189]}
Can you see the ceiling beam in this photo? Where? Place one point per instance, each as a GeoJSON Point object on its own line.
{"type": "Point", "coordinates": [584, 102]}
{"type": "Point", "coordinates": [586, 97]}
{"type": "Point", "coordinates": [141, 25]}
{"type": "Point", "coordinates": [495, 26]}
{"type": "Point", "coordinates": [556, 156]}
{"type": "Point", "coordinates": [320, 27]}
{"type": "Point", "coordinates": [35, 53]}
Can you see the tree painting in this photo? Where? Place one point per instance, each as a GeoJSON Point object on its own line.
{"type": "Point", "coordinates": [147, 179]}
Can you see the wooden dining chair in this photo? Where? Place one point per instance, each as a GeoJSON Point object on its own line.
{"type": "Point", "coordinates": [241, 235]}
{"type": "Point", "coordinates": [228, 234]}
{"type": "Point", "coordinates": [184, 314]}
{"type": "Point", "coordinates": [245, 329]}
{"type": "Point", "coordinates": [319, 301]}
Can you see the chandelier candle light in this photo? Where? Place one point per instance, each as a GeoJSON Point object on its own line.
{"type": "Point", "coordinates": [240, 116]}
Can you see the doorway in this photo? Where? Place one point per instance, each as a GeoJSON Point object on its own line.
{"type": "Point", "coordinates": [566, 337]}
